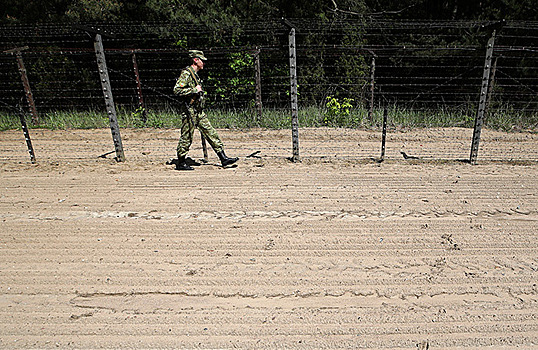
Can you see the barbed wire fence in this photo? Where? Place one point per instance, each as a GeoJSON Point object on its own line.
{"type": "Point", "coordinates": [426, 71]}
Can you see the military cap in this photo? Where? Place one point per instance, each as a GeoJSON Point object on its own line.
{"type": "Point", "coordinates": [197, 54]}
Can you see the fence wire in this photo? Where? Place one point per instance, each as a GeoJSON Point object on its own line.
{"type": "Point", "coordinates": [420, 67]}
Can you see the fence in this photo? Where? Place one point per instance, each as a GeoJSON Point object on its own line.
{"type": "Point", "coordinates": [349, 70]}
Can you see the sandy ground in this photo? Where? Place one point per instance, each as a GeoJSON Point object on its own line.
{"type": "Point", "coordinates": [335, 252]}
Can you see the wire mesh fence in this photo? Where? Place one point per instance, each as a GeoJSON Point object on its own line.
{"type": "Point", "coordinates": [348, 71]}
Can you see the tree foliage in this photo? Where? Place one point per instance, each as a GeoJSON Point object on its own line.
{"type": "Point", "coordinates": [454, 9]}
{"type": "Point", "coordinates": [334, 62]}
{"type": "Point", "coordinates": [229, 12]}
{"type": "Point", "coordinates": [94, 10]}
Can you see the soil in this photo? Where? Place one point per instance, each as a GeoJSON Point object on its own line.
{"type": "Point", "coordinates": [337, 251]}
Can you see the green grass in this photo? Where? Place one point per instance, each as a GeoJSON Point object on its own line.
{"type": "Point", "coordinates": [503, 119]}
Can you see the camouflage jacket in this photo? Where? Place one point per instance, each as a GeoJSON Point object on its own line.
{"type": "Point", "coordinates": [186, 87]}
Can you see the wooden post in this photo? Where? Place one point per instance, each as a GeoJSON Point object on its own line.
{"type": "Point", "coordinates": [479, 120]}
{"type": "Point", "coordinates": [25, 82]}
{"type": "Point", "coordinates": [109, 100]}
{"type": "Point", "coordinates": [29, 99]}
{"type": "Point", "coordinates": [258, 86]}
{"type": "Point", "coordinates": [293, 95]}
{"type": "Point", "coordinates": [141, 104]}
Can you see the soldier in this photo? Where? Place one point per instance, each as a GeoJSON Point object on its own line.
{"type": "Point", "coordinates": [189, 88]}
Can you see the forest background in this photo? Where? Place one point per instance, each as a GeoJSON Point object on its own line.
{"type": "Point", "coordinates": [225, 29]}
{"type": "Point", "coordinates": [230, 12]}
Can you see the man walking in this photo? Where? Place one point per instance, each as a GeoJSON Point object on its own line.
{"type": "Point", "coordinates": [189, 88]}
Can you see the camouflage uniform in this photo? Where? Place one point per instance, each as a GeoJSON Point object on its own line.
{"type": "Point", "coordinates": [193, 115]}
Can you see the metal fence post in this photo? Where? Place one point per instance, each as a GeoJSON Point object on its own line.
{"type": "Point", "coordinates": [491, 85]}
{"type": "Point", "coordinates": [479, 121]}
{"type": "Point", "coordinates": [27, 137]}
{"type": "Point", "coordinates": [384, 136]}
{"type": "Point", "coordinates": [106, 86]}
{"type": "Point", "coordinates": [372, 88]}
{"type": "Point", "coordinates": [109, 100]}
{"type": "Point", "coordinates": [293, 92]}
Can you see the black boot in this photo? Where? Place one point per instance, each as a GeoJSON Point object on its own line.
{"type": "Point", "coordinates": [182, 164]}
{"type": "Point", "coordinates": [224, 160]}
{"type": "Point", "coordinates": [190, 161]}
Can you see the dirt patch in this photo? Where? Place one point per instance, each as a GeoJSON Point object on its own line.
{"type": "Point", "coordinates": [337, 251]}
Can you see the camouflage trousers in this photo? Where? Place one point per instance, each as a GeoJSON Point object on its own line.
{"type": "Point", "coordinates": [192, 120]}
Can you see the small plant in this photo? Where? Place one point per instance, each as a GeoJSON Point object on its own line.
{"type": "Point", "coordinates": [138, 117]}
{"type": "Point", "coordinates": [337, 110]}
